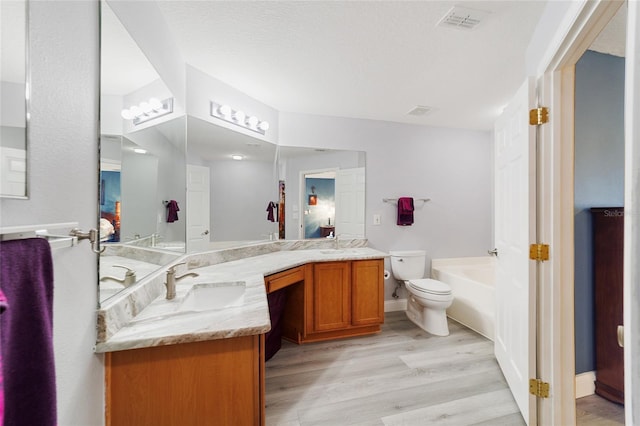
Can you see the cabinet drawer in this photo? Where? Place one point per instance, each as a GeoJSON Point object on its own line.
{"type": "Point", "coordinates": [283, 279]}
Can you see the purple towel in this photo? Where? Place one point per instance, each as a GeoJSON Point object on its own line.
{"type": "Point", "coordinates": [405, 211]}
{"type": "Point", "coordinates": [3, 307]}
{"type": "Point", "coordinates": [172, 211]}
{"type": "Point", "coordinates": [26, 333]}
{"type": "Point", "coordinates": [270, 211]}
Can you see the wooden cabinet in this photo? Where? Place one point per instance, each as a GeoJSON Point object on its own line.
{"type": "Point", "coordinates": [331, 300]}
{"type": "Point", "coordinates": [608, 237]}
{"type": "Point", "coordinates": [367, 292]}
{"type": "Point", "coordinates": [214, 382]}
{"type": "Point", "coordinates": [331, 296]}
{"type": "Point", "coordinates": [344, 299]}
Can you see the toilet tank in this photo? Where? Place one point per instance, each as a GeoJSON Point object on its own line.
{"type": "Point", "coordinates": [408, 264]}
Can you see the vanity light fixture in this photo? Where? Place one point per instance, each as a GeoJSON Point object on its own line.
{"type": "Point", "coordinates": [238, 117]}
{"type": "Point", "coordinates": [148, 110]}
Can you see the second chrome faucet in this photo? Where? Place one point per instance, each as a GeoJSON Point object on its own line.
{"type": "Point", "coordinates": [172, 279]}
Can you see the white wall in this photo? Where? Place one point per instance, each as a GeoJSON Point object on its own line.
{"type": "Point", "coordinates": [63, 160]}
{"type": "Point", "coordinates": [452, 167]}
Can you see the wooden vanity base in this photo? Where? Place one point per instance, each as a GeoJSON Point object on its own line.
{"type": "Point", "coordinates": [217, 382]}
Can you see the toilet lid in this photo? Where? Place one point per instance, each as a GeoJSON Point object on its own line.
{"type": "Point", "coordinates": [428, 285]}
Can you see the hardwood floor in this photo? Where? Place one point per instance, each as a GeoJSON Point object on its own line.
{"type": "Point", "coordinates": [402, 376]}
{"type": "Point", "coordinates": [593, 410]}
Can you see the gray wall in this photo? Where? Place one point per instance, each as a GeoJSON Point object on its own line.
{"type": "Point", "coordinates": [240, 193]}
{"type": "Point", "coordinates": [63, 165]}
{"type": "Point", "coordinates": [453, 167]}
{"type": "Point", "coordinates": [599, 176]}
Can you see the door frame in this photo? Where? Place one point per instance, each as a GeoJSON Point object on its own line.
{"type": "Point", "coordinates": [302, 194]}
{"type": "Point", "coordinates": [556, 90]}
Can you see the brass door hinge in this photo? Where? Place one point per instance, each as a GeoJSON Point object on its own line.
{"type": "Point", "coordinates": [539, 388]}
{"type": "Point", "coordinates": [539, 116]}
{"type": "Point", "coordinates": [539, 252]}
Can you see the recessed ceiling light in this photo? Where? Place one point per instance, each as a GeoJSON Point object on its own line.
{"type": "Point", "coordinates": [463, 18]}
{"type": "Point", "coordinates": [139, 151]}
{"type": "Point", "coordinates": [237, 157]}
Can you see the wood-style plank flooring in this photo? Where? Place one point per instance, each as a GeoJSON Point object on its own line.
{"type": "Point", "coordinates": [402, 376]}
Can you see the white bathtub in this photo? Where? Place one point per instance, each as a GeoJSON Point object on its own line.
{"type": "Point", "coordinates": [472, 283]}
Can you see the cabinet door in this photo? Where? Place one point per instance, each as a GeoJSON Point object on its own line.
{"type": "Point", "coordinates": [213, 382]}
{"type": "Point", "coordinates": [367, 292]}
{"type": "Point", "coordinates": [331, 296]}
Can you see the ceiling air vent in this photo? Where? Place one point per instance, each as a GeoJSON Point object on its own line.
{"type": "Point", "coordinates": [420, 110]}
{"type": "Point", "coordinates": [463, 18]}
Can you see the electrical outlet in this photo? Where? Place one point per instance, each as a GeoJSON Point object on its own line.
{"type": "Point", "coordinates": [376, 219]}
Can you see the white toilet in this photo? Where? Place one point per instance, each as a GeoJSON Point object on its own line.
{"type": "Point", "coordinates": [428, 299]}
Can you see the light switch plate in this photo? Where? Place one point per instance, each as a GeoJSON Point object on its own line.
{"type": "Point", "coordinates": [376, 219]}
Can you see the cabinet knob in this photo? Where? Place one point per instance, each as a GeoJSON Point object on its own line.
{"type": "Point", "coordinates": [621, 336]}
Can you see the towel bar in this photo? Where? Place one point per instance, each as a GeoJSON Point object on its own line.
{"type": "Point", "coordinates": [395, 200]}
{"type": "Point", "coordinates": [42, 231]}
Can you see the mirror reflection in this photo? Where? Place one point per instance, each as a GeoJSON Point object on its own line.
{"type": "Point", "coordinates": [229, 188]}
{"type": "Point", "coordinates": [13, 99]}
{"type": "Point", "coordinates": [255, 194]}
{"type": "Point", "coordinates": [142, 165]}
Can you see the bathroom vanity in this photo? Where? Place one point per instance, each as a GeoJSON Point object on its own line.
{"type": "Point", "coordinates": [330, 300]}
{"type": "Point", "coordinates": [166, 364]}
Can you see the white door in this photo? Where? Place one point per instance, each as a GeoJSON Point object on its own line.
{"type": "Point", "coordinates": [13, 172]}
{"type": "Point", "coordinates": [515, 194]}
{"type": "Point", "coordinates": [350, 202]}
{"type": "Point", "coordinates": [198, 220]}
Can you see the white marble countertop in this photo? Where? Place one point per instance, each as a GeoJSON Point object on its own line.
{"type": "Point", "coordinates": [162, 322]}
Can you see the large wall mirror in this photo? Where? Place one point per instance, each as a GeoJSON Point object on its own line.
{"type": "Point", "coordinates": [232, 188]}
{"type": "Point", "coordinates": [247, 175]}
{"type": "Point", "coordinates": [142, 164]}
{"type": "Point", "coordinates": [14, 93]}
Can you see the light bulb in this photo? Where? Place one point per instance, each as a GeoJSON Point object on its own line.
{"type": "Point", "coordinates": [264, 126]}
{"type": "Point", "coordinates": [136, 111]}
{"type": "Point", "coordinates": [224, 110]}
{"type": "Point", "coordinates": [239, 116]}
{"type": "Point", "coordinates": [146, 107]}
{"type": "Point", "coordinates": [127, 115]}
{"type": "Point", "coordinates": [252, 121]}
{"type": "Point", "coordinates": [155, 103]}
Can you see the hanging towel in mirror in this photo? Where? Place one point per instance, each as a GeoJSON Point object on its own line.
{"type": "Point", "coordinates": [26, 333]}
{"type": "Point", "coordinates": [270, 211]}
{"type": "Point", "coordinates": [405, 211]}
{"type": "Point", "coordinates": [172, 211]}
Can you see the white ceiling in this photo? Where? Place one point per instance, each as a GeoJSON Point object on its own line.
{"type": "Point", "coordinates": [358, 59]}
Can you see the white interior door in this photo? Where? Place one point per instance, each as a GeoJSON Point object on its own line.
{"type": "Point", "coordinates": [198, 215]}
{"type": "Point", "coordinates": [515, 194]}
{"type": "Point", "coordinates": [350, 192]}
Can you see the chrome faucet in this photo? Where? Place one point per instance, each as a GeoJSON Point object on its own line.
{"type": "Point", "coordinates": [172, 280]}
{"type": "Point", "coordinates": [129, 276]}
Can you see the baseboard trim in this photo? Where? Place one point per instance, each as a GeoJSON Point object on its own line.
{"type": "Point", "coordinates": [395, 305]}
{"type": "Point", "coordinates": [585, 384]}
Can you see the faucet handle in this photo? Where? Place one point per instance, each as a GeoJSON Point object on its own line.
{"type": "Point", "coordinates": [172, 269]}
{"type": "Point", "coordinates": [129, 270]}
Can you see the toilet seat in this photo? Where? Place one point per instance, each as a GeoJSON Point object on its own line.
{"type": "Point", "coordinates": [430, 286]}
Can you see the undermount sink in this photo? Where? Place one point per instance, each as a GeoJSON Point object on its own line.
{"type": "Point", "coordinates": [207, 297]}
